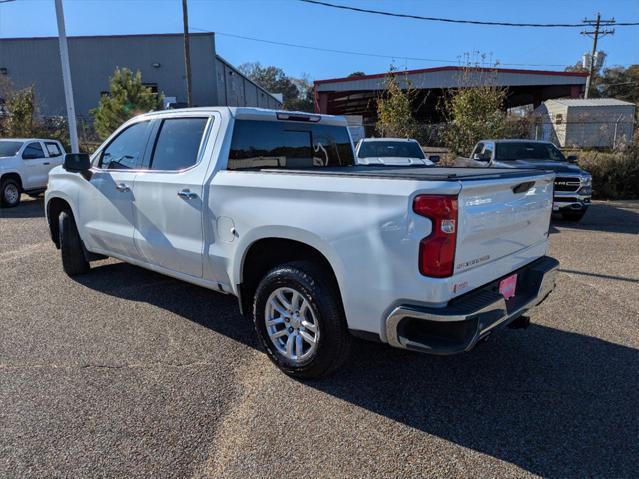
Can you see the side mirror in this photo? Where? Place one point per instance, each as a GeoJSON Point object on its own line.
{"type": "Point", "coordinates": [76, 162]}
{"type": "Point", "coordinates": [434, 158]}
{"type": "Point", "coordinates": [481, 157]}
{"type": "Point", "coordinates": [572, 159]}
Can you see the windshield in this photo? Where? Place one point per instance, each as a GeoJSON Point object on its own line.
{"type": "Point", "coordinates": [390, 149]}
{"type": "Point", "coordinates": [9, 148]}
{"type": "Point", "coordinates": [528, 151]}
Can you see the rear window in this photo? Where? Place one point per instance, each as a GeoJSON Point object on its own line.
{"type": "Point", "coordinates": [9, 148]}
{"type": "Point", "coordinates": [390, 149]}
{"type": "Point", "coordinates": [293, 145]}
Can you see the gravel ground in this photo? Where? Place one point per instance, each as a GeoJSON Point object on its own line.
{"type": "Point", "coordinates": [124, 372]}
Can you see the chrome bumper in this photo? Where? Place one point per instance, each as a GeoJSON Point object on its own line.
{"type": "Point", "coordinates": [466, 320]}
{"type": "Point", "coordinates": [572, 201]}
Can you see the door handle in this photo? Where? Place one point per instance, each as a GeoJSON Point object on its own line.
{"type": "Point", "coordinates": [47, 163]}
{"type": "Point", "coordinates": [122, 187]}
{"type": "Point", "coordinates": [186, 194]}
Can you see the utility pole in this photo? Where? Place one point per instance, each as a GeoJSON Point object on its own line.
{"type": "Point", "coordinates": [187, 54]}
{"type": "Point", "coordinates": [595, 34]}
{"type": "Point", "coordinates": [66, 77]}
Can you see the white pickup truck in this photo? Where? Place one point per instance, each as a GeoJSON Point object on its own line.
{"type": "Point", "coordinates": [270, 207]}
{"type": "Point", "coordinates": [24, 167]}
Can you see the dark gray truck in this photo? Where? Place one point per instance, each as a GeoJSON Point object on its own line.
{"type": "Point", "coordinates": [573, 186]}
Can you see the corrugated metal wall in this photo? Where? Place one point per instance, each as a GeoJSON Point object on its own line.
{"type": "Point", "coordinates": [234, 89]}
{"type": "Point", "coordinates": [36, 61]}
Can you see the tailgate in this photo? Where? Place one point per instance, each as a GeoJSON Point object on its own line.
{"type": "Point", "coordinates": [501, 217]}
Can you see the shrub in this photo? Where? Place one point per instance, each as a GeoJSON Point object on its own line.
{"type": "Point", "coordinates": [614, 175]}
{"type": "Point", "coordinates": [394, 109]}
{"type": "Point", "coordinates": [475, 111]}
{"type": "Point", "coordinates": [21, 119]}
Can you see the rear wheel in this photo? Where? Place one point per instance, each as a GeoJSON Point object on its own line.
{"type": "Point", "coordinates": [573, 215]}
{"type": "Point", "coordinates": [71, 249]}
{"type": "Point", "coordinates": [299, 320]}
{"type": "Point", "coordinates": [9, 193]}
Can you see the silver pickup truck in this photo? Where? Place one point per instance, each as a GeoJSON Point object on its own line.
{"type": "Point", "coordinates": [573, 186]}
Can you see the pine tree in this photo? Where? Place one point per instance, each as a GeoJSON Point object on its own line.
{"type": "Point", "coordinates": [127, 98]}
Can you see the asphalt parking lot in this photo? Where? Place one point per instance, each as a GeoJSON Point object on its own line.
{"type": "Point", "coordinates": [124, 372]}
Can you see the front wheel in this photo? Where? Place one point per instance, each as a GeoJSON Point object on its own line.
{"type": "Point", "coordinates": [299, 320]}
{"type": "Point", "coordinates": [9, 193]}
{"type": "Point", "coordinates": [73, 260]}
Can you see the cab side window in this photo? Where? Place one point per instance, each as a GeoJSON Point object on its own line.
{"type": "Point", "coordinates": [178, 144]}
{"type": "Point", "coordinates": [53, 149]}
{"type": "Point", "coordinates": [478, 149]}
{"type": "Point", "coordinates": [125, 152]}
{"type": "Point", "coordinates": [487, 154]}
{"type": "Point", "coordinates": [33, 151]}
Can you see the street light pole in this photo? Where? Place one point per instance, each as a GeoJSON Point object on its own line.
{"type": "Point", "coordinates": [66, 77]}
{"type": "Point", "coordinates": [187, 54]}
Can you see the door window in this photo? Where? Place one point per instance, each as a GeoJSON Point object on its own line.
{"type": "Point", "coordinates": [178, 144]}
{"type": "Point", "coordinates": [53, 149]}
{"type": "Point", "coordinates": [488, 151]}
{"type": "Point", "coordinates": [126, 150]}
{"type": "Point", "coordinates": [477, 151]}
{"type": "Point", "coordinates": [33, 151]}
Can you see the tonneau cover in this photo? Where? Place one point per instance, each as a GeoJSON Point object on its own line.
{"type": "Point", "coordinates": [418, 173]}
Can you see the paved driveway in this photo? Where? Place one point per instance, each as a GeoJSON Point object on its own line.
{"type": "Point", "coordinates": [123, 372]}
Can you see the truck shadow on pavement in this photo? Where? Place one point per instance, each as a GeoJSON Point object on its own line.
{"type": "Point", "coordinates": [603, 217]}
{"type": "Point", "coordinates": [554, 403]}
{"type": "Point", "coordinates": [28, 208]}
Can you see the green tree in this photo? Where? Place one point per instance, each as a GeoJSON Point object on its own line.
{"type": "Point", "coordinates": [474, 112]}
{"type": "Point", "coordinates": [395, 108]}
{"type": "Point", "coordinates": [127, 98]}
{"type": "Point", "coordinates": [21, 114]}
{"type": "Point", "coordinates": [356, 74]}
{"type": "Point", "coordinates": [297, 92]}
{"type": "Point", "coordinates": [620, 83]}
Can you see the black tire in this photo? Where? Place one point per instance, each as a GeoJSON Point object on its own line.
{"type": "Point", "coordinates": [73, 259]}
{"type": "Point", "coordinates": [315, 286]}
{"type": "Point", "coordinates": [572, 215]}
{"type": "Point", "coordinates": [8, 189]}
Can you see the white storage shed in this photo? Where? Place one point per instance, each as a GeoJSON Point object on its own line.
{"type": "Point", "coordinates": [592, 123]}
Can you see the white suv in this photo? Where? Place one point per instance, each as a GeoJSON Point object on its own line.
{"type": "Point", "coordinates": [24, 167]}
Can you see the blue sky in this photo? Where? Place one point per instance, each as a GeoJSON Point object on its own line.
{"type": "Point", "coordinates": [295, 22]}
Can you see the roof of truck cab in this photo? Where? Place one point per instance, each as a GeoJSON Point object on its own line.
{"type": "Point", "coordinates": [412, 140]}
{"type": "Point", "coordinates": [29, 139]}
{"type": "Point", "coordinates": [248, 113]}
{"type": "Point", "coordinates": [514, 140]}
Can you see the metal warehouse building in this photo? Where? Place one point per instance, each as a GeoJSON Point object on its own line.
{"type": "Point", "coordinates": [160, 59]}
{"type": "Point", "coordinates": [356, 95]}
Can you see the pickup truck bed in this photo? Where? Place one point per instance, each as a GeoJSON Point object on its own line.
{"type": "Point", "coordinates": [415, 173]}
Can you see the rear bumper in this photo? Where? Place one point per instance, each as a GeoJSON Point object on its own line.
{"type": "Point", "coordinates": [466, 320]}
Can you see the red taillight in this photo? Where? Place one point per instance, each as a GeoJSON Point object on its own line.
{"type": "Point", "coordinates": [437, 250]}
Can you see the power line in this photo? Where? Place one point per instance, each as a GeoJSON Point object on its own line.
{"type": "Point", "coordinates": [366, 54]}
{"type": "Point", "coordinates": [451, 20]}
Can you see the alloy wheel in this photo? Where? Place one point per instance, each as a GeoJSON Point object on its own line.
{"type": "Point", "coordinates": [291, 324]}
